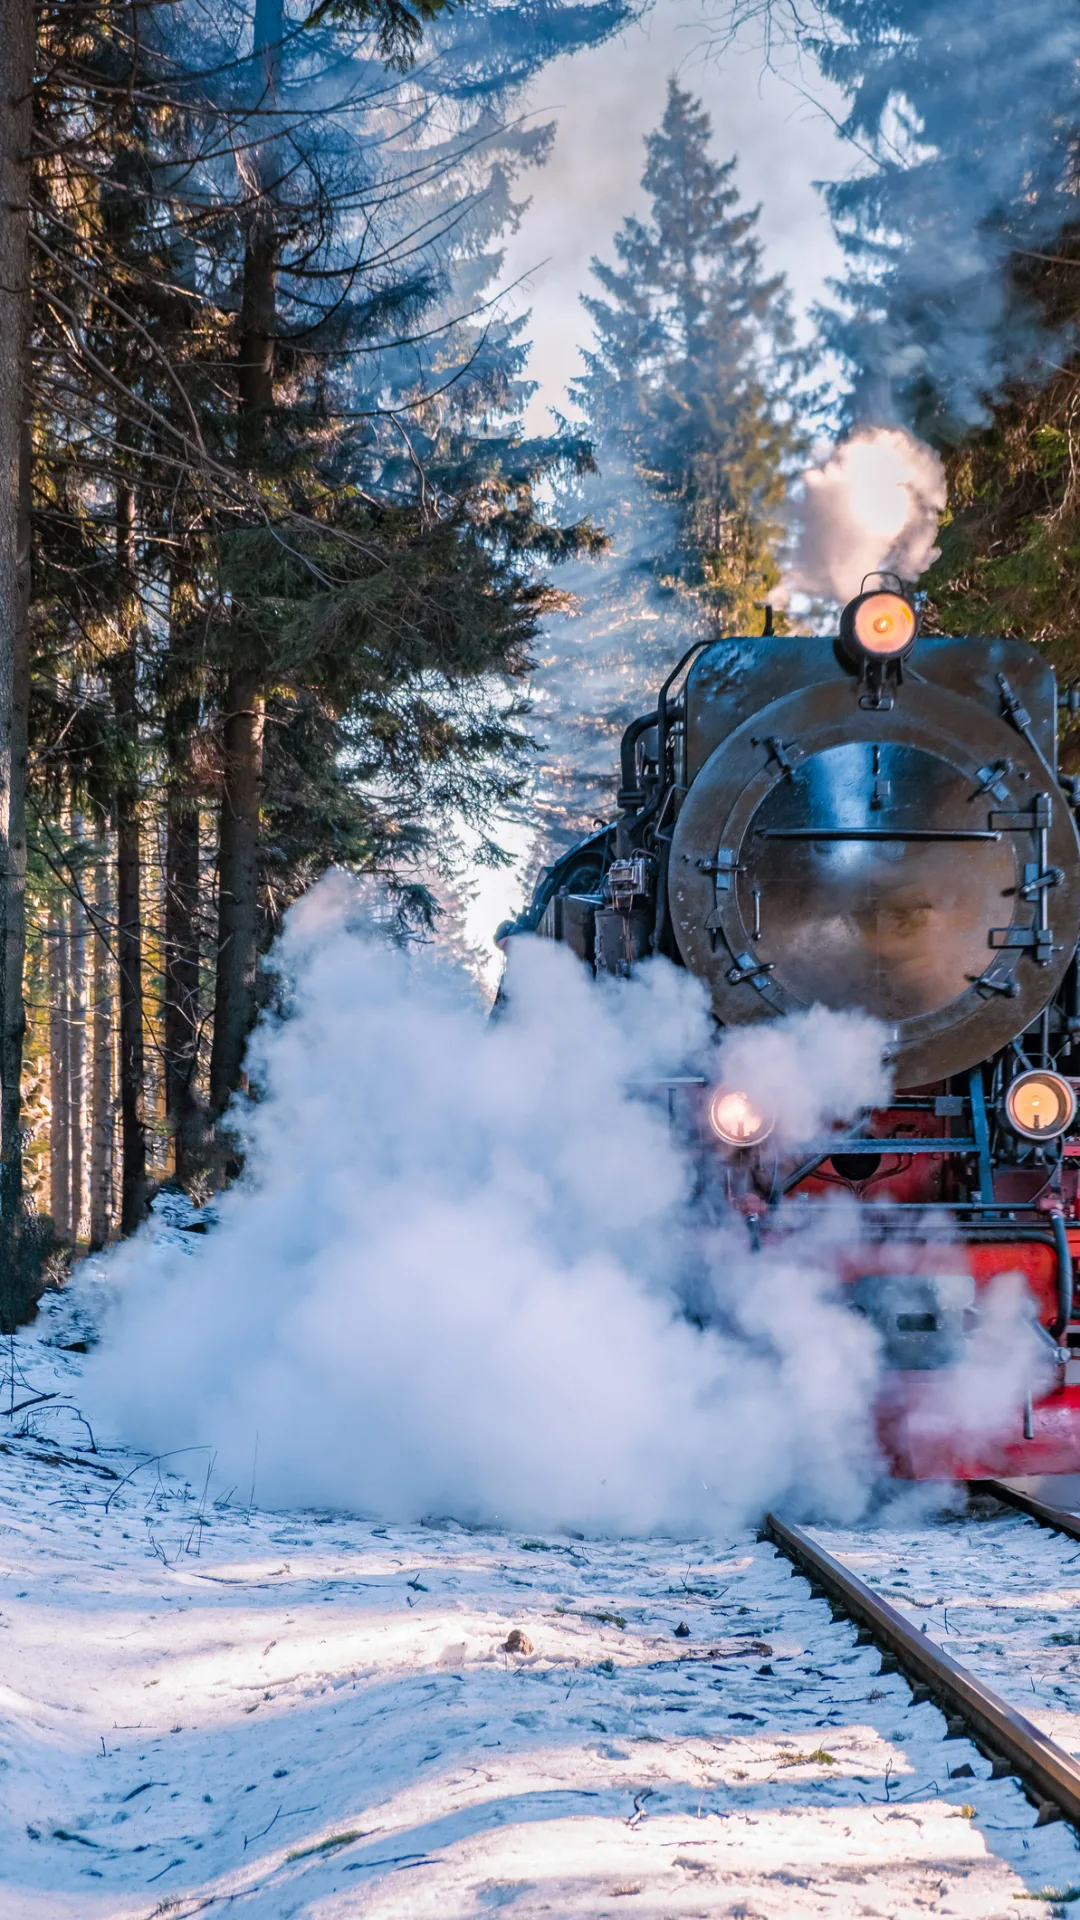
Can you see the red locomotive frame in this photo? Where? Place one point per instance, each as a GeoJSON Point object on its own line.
{"type": "Point", "coordinates": [1041, 1242]}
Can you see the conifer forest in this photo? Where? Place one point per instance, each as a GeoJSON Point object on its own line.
{"type": "Point", "coordinates": [274, 558]}
{"type": "Point", "coordinates": [277, 550]}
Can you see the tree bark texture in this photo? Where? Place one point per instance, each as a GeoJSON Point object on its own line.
{"type": "Point", "coordinates": [235, 999]}
{"type": "Point", "coordinates": [255, 367]}
{"type": "Point", "coordinates": [124, 668]}
{"type": "Point", "coordinates": [17, 39]}
{"type": "Point", "coordinates": [59, 1084]}
{"type": "Point", "coordinates": [235, 995]}
{"type": "Point", "coordinates": [184, 1114]}
{"type": "Point", "coordinates": [101, 1054]}
{"type": "Point", "coordinates": [181, 1013]}
{"type": "Point", "coordinates": [258, 307]}
{"type": "Point", "coordinates": [77, 1056]}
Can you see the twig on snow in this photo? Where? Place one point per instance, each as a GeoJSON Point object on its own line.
{"type": "Point", "coordinates": [151, 1460]}
{"type": "Point", "coordinates": [248, 1838]}
{"type": "Point", "coordinates": [178, 1862]}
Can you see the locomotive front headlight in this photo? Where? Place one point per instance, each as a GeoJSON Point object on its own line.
{"type": "Point", "coordinates": [1039, 1105]}
{"type": "Point", "coordinates": [737, 1120]}
{"type": "Point", "coordinates": [880, 626]}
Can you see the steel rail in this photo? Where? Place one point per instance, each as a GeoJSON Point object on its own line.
{"type": "Point", "coordinates": [1009, 1740]}
{"type": "Point", "coordinates": [1055, 1518]}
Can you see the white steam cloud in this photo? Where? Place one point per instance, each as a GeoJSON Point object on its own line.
{"type": "Point", "coordinates": [874, 503]}
{"type": "Point", "coordinates": [968, 1408]}
{"type": "Point", "coordinates": [810, 1072]}
{"type": "Point", "coordinates": [452, 1279]}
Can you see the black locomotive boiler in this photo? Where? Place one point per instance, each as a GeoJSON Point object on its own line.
{"type": "Point", "coordinates": [877, 821]}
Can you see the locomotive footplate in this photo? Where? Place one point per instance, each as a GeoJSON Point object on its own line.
{"type": "Point", "coordinates": [922, 1435]}
{"type": "Point", "coordinates": [969, 1389]}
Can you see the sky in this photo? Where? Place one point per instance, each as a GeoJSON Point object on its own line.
{"type": "Point", "coordinates": [603, 103]}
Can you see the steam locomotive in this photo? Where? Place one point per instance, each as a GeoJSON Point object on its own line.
{"type": "Point", "coordinates": [877, 821]}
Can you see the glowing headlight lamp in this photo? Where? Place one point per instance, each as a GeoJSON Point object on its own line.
{"type": "Point", "coordinates": [736, 1119]}
{"type": "Point", "coordinates": [1039, 1105]}
{"type": "Point", "coordinates": [878, 625]}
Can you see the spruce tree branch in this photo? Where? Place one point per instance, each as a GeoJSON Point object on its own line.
{"type": "Point", "coordinates": [236, 488]}
{"type": "Point", "coordinates": [98, 294]}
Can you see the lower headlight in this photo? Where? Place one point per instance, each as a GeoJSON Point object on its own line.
{"type": "Point", "coordinates": [737, 1120]}
{"type": "Point", "coordinates": [1040, 1105]}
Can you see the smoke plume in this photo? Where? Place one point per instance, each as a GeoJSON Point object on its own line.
{"type": "Point", "coordinates": [601, 661]}
{"type": "Point", "coordinates": [875, 502]}
{"type": "Point", "coordinates": [453, 1277]}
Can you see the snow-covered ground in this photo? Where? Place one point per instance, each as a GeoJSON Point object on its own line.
{"type": "Point", "coordinates": [204, 1707]}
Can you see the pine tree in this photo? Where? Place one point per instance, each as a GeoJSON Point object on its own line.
{"type": "Point", "coordinates": [17, 40]}
{"type": "Point", "coordinates": [693, 368]}
{"type": "Point", "coordinates": [967, 116]}
{"type": "Point", "coordinates": [958, 315]}
{"type": "Point", "coordinates": [688, 396]}
{"type": "Point", "coordinates": [279, 490]}
{"type": "Point", "coordinates": [1011, 535]}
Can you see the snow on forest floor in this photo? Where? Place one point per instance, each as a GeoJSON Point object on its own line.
{"type": "Point", "coordinates": [204, 1707]}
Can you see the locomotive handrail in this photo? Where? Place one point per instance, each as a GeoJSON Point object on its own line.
{"type": "Point", "coordinates": [1005, 1208]}
{"type": "Point", "coordinates": [662, 703]}
{"type": "Point", "coordinates": [1064, 1274]}
{"type": "Point", "coordinates": [876, 833]}
{"type": "Point", "coordinates": [628, 755]}
{"type": "Point", "coordinates": [897, 1143]}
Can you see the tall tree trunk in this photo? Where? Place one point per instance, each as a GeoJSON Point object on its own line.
{"type": "Point", "coordinates": [129, 967]}
{"type": "Point", "coordinates": [255, 368]}
{"type": "Point", "coordinates": [235, 998]}
{"type": "Point", "coordinates": [17, 39]}
{"type": "Point", "coordinates": [59, 1082]}
{"type": "Point", "coordinates": [238, 874]}
{"type": "Point", "coordinates": [101, 1072]}
{"type": "Point", "coordinates": [258, 308]}
{"type": "Point", "coordinates": [77, 1047]}
{"type": "Point", "coordinates": [182, 979]}
{"type": "Point", "coordinates": [124, 673]}
{"type": "Point", "coordinates": [182, 1012]}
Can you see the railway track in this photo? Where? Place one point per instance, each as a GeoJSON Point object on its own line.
{"type": "Point", "coordinates": [1005, 1737]}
